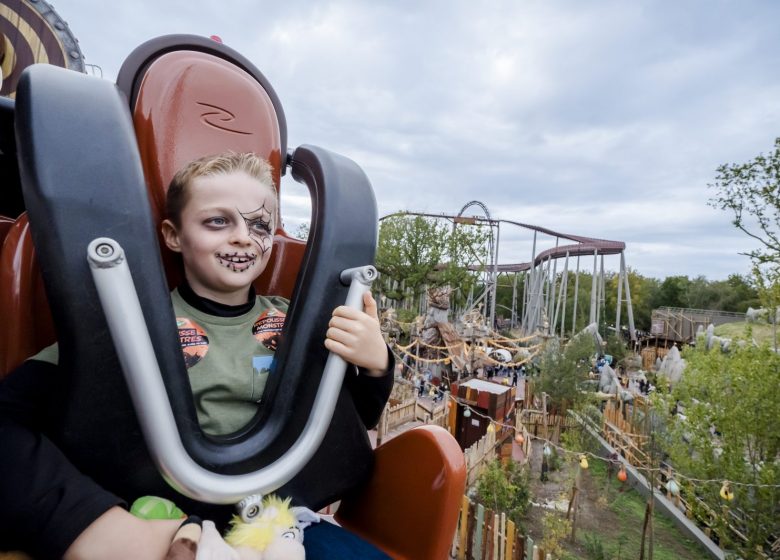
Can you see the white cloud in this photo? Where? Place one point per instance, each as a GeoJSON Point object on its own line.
{"type": "Point", "coordinates": [602, 118]}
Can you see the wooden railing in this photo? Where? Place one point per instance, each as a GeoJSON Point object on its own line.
{"type": "Point", "coordinates": [478, 455]}
{"type": "Point", "coordinates": [534, 422]}
{"type": "Point", "coordinates": [409, 411]}
{"type": "Point", "coordinates": [623, 436]}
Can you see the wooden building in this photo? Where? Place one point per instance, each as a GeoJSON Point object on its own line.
{"type": "Point", "coordinates": [490, 402]}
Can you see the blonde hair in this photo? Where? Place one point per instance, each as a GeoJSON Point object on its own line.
{"type": "Point", "coordinates": [217, 164]}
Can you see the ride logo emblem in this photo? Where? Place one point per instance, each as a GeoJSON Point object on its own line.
{"type": "Point", "coordinates": [268, 328]}
{"type": "Point", "coordinates": [193, 340]}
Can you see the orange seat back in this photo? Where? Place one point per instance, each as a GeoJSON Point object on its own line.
{"type": "Point", "coordinates": [190, 104]}
{"type": "Point", "coordinates": [26, 325]}
{"type": "Point", "coordinates": [410, 506]}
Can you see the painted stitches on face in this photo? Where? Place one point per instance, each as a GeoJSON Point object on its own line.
{"type": "Point", "coordinates": [259, 226]}
{"type": "Point", "coordinates": [237, 261]}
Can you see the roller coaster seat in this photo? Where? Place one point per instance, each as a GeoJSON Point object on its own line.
{"type": "Point", "coordinates": [409, 511]}
{"type": "Point", "coordinates": [27, 325]}
{"type": "Point", "coordinates": [171, 99]}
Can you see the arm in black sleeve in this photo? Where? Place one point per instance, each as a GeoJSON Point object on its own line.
{"type": "Point", "coordinates": [45, 503]}
{"type": "Point", "coordinates": [370, 394]}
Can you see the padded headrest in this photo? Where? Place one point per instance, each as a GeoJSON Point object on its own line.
{"type": "Point", "coordinates": [188, 104]}
{"type": "Point", "coordinates": [192, 104]}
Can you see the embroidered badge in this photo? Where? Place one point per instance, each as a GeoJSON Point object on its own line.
{"type": "Point", "coordinates": [193, 340]}
{"type": "Point", "coordinates": [268, 327]}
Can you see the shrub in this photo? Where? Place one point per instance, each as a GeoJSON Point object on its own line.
{"type": "Point", "coordinates": [505, 489]}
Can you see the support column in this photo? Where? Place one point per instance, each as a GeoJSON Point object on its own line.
{"type": "Point", "coordinates": [561, 297]}
{"type": "Point", "coordinates": [621, 273]}
{"type": "Point", "coordinates": [514, 302]}
{"type": "Point", "coordinates": [494, 277]}
{"type": "Point", "coordinates": [629, 308]}
{"type": "Point", "coordinates": [594, 288]}
{"type": "Point", "coordinates": [576, 295]}
{"type": "Point", "coordinates": [553, 284]}
{"type": "Point", "coordinates": [601, 300]}
{"type": "Point", "coordinates": [526, 280]}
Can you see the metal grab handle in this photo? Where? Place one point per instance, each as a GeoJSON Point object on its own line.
{"type": "Point", "coordinates": [130, 335]}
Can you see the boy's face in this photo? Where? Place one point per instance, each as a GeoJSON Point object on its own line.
{"type": "Point", "coordinates": [226, 235]}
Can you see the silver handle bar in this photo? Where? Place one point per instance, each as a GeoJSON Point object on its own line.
{"type": "Point", "coordinates": [126, 323]}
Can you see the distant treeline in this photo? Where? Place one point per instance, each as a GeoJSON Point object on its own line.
{"type": "Point", "coordinates": [736, 293]}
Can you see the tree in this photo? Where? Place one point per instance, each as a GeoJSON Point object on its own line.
{"type": "Point", "coordinates": [424, 252]}
{"type": "Point", "coordinates": [729, 431]}
{"type": "Point", "coordinates": [505, 489]}
{"type": "Point", "coordinates": [673, 292]}
{"type": "Point", "coordinates": [302, 231]}
{"type": "Point", "coordinates": [751, 192]}
{"type": "Point", "coordinates": [562, 372]}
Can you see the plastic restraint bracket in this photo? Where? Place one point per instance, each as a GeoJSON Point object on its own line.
{"type": "Point", "coordinates": [125, 319]}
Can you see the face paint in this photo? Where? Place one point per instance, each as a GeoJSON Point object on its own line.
{"type": "Point", "coordinates": [225, 250]}
{"type": "Point", "coordinates": [259, 227]}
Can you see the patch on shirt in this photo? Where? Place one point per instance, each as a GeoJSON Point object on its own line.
{"type": "Point", "coordinates": [193, 340]}
{"type": "Point", "coordinates": [268, 327]}
{"type": "Point", "coordinates": [261, 364]}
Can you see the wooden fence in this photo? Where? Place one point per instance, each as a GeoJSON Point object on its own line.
{"type": "Point", "coordinates": [534, 422]}
{"type": "Point", "coordinates": [623, 433]}
{"type": "Point", "coordinates": [439, 416]}
{"type": "Point", "coordinates": [398, 415]}
{"type": "Point", "coordinates": [483, 534]}
{"type": "Point", "coordinates": [478, 456]}
{"type": "Point", "coordinates": [409, 411]}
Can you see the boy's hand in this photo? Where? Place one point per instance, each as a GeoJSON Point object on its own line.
{"type": "Point", "coordinates": [354, 335]}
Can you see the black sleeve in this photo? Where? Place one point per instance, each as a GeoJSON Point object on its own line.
{"type": "Point", "coordinates": [45, 503]}
{"type": "Point", "coordinates": [370, 394]}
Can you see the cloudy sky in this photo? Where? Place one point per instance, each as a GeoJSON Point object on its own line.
{"type": "Point", "coordinates": [600, 118]}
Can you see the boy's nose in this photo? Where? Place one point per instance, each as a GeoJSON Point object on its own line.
{"type": "Point", "coordinates": [240, 238]}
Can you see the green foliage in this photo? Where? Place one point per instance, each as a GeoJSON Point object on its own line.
{"type": "Point", "coordinates": [562, 372]}
{"type": "Point", "coordinates": [302, 231]}
{"type": "Point", "coordinates": [594, 547]}
{"type": "Point", "coordinates": [751, 192]}
{"type": "Point", "coordinates": [505, 489]}
{"type": "Point", "coordinates": [555, 529]}
{"type": "Point", "coordinates": [406, 315]}
{"type": "Point", "coordinates": [616, 347]}
{"type": "Point", "coordinates": [579, 439]}
{"type": "Point", "coordinates": [554, 461]}
{"type": "Point", "coordinates": [418, 252]}
{"type": "Point", "coordinates": [730, 433]}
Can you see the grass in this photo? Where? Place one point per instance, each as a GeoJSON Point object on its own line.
{"type": "Point", "coordinates": [620, 534]}
{"type": "Point", "coordinates": [762, 332]}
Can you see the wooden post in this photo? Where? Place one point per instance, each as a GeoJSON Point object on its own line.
{"type": "Point", "coordinates": [509, 551]}
{"type": "Point", "coordinates": [644, 532]}
{"type": "Point", "coordinates": [477, 548]}
{"type": "Point", "coordinates": [496, 530]}
{"type": "Point", "coordinates": [502, 549]}
{"type": "Point", "coordinates": [573, 504]}
{"type": "Point", "coordinates": [464, 526]}
{"type": "Point", "coordinates": [381, 427]}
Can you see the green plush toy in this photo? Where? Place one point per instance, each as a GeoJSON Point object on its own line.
{"type": "Point", "coordinates": [152, 507]}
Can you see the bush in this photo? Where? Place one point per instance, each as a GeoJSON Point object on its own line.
{"type": "Point", "coordinates": [555, 528]}
{"type": "Point", "coordinates": [594, 547]}
{"type": "Point", "coordinates": [505, 489]}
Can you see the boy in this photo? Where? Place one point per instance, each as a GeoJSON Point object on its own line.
{"type": "Point", "coordinates": [222, 212]}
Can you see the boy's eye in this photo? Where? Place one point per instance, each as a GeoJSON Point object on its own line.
{"type": "Point", "coordinates": [216, 221]}
{"type": "Point", "coordinates": [260, 226]}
